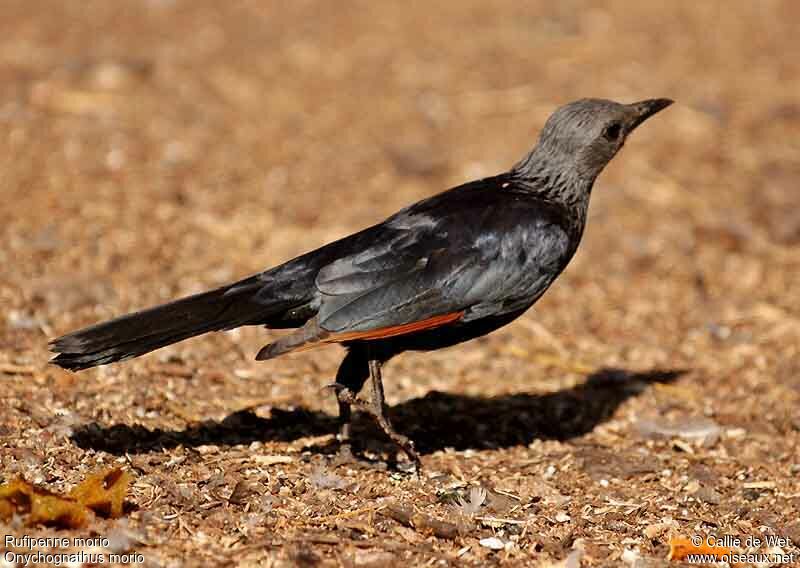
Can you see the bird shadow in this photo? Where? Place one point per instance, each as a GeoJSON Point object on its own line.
{"type": "Point", "coordinates": [435, 421]}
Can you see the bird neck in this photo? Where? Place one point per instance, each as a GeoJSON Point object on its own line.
{"type": "Point", "coordinates": [555, 181]}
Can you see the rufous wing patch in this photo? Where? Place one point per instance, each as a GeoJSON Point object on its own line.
{"type": "Point", "coordinates": [312, 335]}
{"type": "Point", "coordinates": [403, 329]}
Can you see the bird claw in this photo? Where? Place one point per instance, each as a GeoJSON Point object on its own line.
{"type": "Point", "coordinates": [345, 455]}
{"type": "Point", "coordinates": [407, 445]}
{"type": "Point", "coordinates": [377, 410]}
{"type": "Point", "coordinates": [345, 395]}
{"type": "Point", "coordinates": [403, 442]}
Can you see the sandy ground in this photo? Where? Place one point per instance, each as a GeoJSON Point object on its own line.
{"type": "Point", "coordinates": [155, 148]}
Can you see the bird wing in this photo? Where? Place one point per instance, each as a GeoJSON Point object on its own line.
{"type": "Point", "coordinates": [442, 270]}
{"type": "Point", "coordinates": [450, 259]}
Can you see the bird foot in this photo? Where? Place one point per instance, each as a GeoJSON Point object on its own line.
{"type": "Point", "coordinates": [345, 395]}
{"type": "Point", "coordinates": [378, 413]}
{"type": "Point", "coordinates": [407, 445]}
{"type": "Point", "coordinates": [345, 455]}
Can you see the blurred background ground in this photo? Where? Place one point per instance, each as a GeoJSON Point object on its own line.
{"type": "Point", "coordinates": [150, 149]}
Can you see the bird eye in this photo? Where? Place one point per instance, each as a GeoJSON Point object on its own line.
{"type": "Point", "coordinates": [612, 131]}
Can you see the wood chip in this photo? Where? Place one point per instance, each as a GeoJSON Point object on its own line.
{"type": "Point", "coordinates": [421, 522]}
{"type": "Point", "coordinates": [492, 543]}
{"type": "Point", "coordinates": [11, 369]}
{"type": "Point", "coordinates": [759, 485]}
{"type": "Point", "coordinates": [497, 522]}
{"type": "Point", "coordinates": [173, 370]}
{"type": "Point", "coordinates": [272, 460]}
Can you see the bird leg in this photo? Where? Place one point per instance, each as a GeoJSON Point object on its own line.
{"type": "Point", "coordinates": [352, 374]}
{"type": "Point", "coordinates": [379, 413]}
{"type": "Point", "coordinates": [350, 378]}
{"type": "Point", "coordinates": [375, 408]}
{"type": "Point", "coordinates": [345, 418]}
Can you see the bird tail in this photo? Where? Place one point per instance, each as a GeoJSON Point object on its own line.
{"type": "Point", "coordinates": [138, 333]}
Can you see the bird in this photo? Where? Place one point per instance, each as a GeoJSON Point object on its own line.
{"type": "Point", "coordinates": [447, 269]}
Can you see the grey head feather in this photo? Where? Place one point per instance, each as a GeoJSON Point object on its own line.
{"type": "Point", "coordinates": [577, 142]}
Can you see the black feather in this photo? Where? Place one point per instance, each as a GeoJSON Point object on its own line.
{"type": "Point", "coordinates": [141, 332]}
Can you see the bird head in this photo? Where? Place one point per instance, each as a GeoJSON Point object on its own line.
{"type": "Point", "coordinates": [586, 134]}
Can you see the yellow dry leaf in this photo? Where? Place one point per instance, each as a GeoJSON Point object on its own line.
{"type": "Point", "coordinates": [40, 506]}
{"type": "Point", "coordinates": [104, 492]}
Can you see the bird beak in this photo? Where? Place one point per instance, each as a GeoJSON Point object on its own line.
{"type": "Point", "coordinates": [643, 110]}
